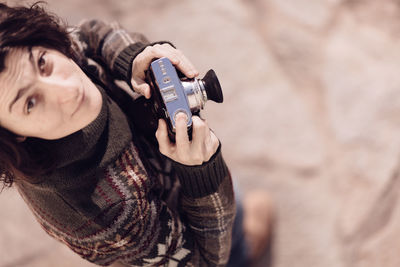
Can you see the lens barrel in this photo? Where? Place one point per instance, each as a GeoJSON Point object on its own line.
{"type": "Point", "coordinates": [198, 91]}
{"type": "Point", "coordinates": [212, 87]}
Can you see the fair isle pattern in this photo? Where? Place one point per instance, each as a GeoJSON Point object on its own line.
{"type": "Point", "coordinates": [133, 233]}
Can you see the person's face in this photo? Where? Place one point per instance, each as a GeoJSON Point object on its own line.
{"type": "Point", "coordinates": [44, 94]}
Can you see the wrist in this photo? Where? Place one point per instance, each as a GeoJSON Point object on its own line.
{"type": "Point", "coordinates": [123, 63]}
{"type": "Point", "coordinates": [202, 180]}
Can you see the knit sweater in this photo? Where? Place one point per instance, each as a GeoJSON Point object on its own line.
{"type": "Point", "coordinates": [109, 197]}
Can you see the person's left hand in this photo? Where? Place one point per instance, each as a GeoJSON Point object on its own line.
{"type": "Point", "coordinates": [200, 149]}
{"type": "Point", "coordinates": [142, 62]}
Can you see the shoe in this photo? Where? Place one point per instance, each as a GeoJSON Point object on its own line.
{"type": "Point", "coordinates": [257, 223]}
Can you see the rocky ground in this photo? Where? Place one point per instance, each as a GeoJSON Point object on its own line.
{"type": "Point", "coordinates": [311, 91]}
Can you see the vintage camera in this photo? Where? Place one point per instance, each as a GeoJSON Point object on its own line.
{"type": "Point", "coordinates": [173, 93]}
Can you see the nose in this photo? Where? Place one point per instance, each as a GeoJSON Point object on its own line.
{"type": "Point", "coordinates": [61, 92]}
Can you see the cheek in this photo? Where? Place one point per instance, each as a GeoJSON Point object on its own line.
{"type": "Point", "coordinates": [50, 127]}
{"type": "Point", "coordinates": [64, 68]}
{"type": "Point", "coordinates": [43, 123]}
{"type": "Point", "coordinates": [67, 71]}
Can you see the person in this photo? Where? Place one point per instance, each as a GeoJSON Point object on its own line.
{"type": "Point", "coordinates": [70, 143]}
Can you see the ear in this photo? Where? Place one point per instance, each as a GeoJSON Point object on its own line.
{"type": "Point", "coordinates": [20, 139]}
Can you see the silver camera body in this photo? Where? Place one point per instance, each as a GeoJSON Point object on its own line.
{"type": "Point", "coordinates": [173, 93]}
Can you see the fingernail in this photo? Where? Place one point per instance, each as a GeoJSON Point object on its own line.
{"type": "Point", "coordinates": [181, 116]}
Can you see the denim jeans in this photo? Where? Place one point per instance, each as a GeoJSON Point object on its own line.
{"type": "Point", "coordinates": [239, 249]}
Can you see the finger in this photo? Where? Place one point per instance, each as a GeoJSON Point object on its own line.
{"type": "Point", "coordinates": [184, 63]}
{"type": "Point", "coordinates": [143, 60]}
{"type": "Point", "coordinates": [177, 59]}
{"type": "Point", "coordinates": [141, 87]}
{"type": "Point", "coordinates": [164, 143]}
{"type": "Point", "coordinates": [181, 137]}
{"type": "Point", "coordinates": [200, 130]}
{"type": "Point", "coordinates": [187, 68]}
{"type": "Point", "coordinates": [165, 50]}
{"type": "Point", "coordinates": [214, 143]}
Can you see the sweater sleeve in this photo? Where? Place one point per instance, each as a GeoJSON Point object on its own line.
{"type": "Point", "coordinates": [209, 206]}
{"type": "Point", "coordinates": [202, 180]}
{"type": "Point", "coordinates": [108, 44]}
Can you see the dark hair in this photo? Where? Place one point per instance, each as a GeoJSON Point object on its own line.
{"type": "Point", "coordinates": [26, 27]}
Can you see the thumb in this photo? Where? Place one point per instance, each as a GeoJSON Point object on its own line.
{"type": "Point", "coordinates": [141, 87]}
{"type": "Point", "coordinates": [164, 144]}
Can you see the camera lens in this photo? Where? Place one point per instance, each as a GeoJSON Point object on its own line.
{"type": "Point", "coordinates": [212, 87]}
{"type": "Point", "coordinates": [198, 91]}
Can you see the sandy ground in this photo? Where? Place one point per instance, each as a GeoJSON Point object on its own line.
{"type": "Point", "coordinates": [312, 94]}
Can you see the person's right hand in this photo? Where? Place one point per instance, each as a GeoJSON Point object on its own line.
{"type": "Point", "coordinates": [200, 149]}
{"type": "Point", "coordinates": [142, 62]}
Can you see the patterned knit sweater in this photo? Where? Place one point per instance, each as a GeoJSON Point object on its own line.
{"type": "Point", "coordinates": [111, 197]}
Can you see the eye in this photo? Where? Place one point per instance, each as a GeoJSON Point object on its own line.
{"type": "Point", "coordinates": [30, 104]}
{"type": "Point", "coordinates": [42, 62]}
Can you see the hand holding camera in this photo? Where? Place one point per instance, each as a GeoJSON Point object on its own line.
{"type": "Point", "coordinates": [174, 99]}
{"type": "Point", "coordinates": [200, 149]}
{"type": "Point", "coordinates": [143, 60]}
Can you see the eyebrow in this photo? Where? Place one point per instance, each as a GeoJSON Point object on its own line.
{"type": "Point", "coordinates": [22, 91]}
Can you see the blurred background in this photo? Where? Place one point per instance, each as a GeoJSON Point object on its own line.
{"type": "Point", "coordinates": [311, 115]}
